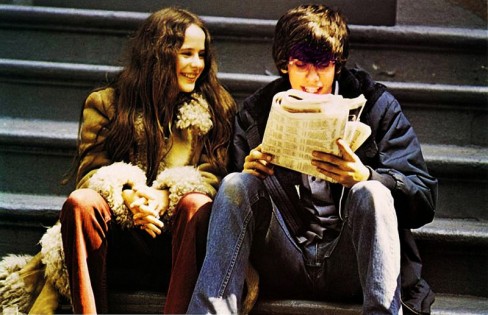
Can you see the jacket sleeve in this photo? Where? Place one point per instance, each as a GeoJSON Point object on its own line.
{"type": "Point", "coordinates": [96, 170]}
{"type": "Point", "coordinates": [181, 180]}
{"type": "Point", "coordinates": [240, 147]}
{"type": "Point", "coordinates": [402, 167]}
{"type": "Point", "coordinates": [93, 132]}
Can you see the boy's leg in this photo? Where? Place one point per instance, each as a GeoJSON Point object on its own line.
{"type": "Point", "coordinates": [240, 218]}
{"type": "Point", "coordinates": [371, 224]}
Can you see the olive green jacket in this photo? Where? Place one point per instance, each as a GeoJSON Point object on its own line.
{"type": "Point", "coordinates": [184, 168]}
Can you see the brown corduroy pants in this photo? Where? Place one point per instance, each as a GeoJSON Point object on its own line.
{"type": "Point", "coordinates": [88, 231]}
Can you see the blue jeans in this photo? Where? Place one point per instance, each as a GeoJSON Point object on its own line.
{"type": "Point", "coordinates": [245, 226]}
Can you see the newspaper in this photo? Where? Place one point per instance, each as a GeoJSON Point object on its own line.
{"type": "Point", "coordinates": [300, 123]}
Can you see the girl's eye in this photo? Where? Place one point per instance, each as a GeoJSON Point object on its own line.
{"type": "Point", "coordinates": [301, 64]}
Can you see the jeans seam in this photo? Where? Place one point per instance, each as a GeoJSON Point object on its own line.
{"type": "Point", "coordinates": [228, 274]}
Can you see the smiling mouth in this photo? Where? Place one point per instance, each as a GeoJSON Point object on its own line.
{"type": "Point", "coordinates": [190, 76]}
{"type": "Point", "coordinates": [313, 90]}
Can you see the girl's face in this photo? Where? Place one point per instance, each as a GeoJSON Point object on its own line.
{"type": "Point", "coordinates": [316, 79]}
{"type": "Point", "coordinates": [190, 60]}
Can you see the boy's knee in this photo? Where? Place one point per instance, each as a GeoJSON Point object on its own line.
{"type": "Point", "coordinates": [371, 189]}
{"type": "Point", "coordinates": [240, 183]}
{"type": "Point", "coordinates": [372, 199]}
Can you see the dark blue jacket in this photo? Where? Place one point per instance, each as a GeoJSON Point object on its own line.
{"type": "Point", "coordinates": [392, 152]}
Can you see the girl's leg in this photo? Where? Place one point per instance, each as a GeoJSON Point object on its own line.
{"type": "Point", "coordinates": [85, 219]}
{"type": "Point", "coordinates": [189, 234]}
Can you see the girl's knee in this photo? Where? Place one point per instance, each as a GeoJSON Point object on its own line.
{"type": "Point", "coordinates": [191, 204]}
{"type": "Point", "coordinates": [83, 202]}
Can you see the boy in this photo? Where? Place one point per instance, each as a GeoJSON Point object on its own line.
{"type": "Point", "coordinates": [306, 237]}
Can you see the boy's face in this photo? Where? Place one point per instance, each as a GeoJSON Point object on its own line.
{"type": "Point", "coordinates": [307, 77]}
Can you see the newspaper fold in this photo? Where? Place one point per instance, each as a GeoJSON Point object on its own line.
{"type": "Point", "coordinates": [301, 122]}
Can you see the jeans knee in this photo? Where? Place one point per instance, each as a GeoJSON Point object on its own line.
{"type": "Point", "coordinates": [371, 198]}
{"type": "Point", "coordinates": [371, 189]}
{"type": "Point", "coordinates": [237, 186]}
{"type": "Point", "coordinates": [242, 193]}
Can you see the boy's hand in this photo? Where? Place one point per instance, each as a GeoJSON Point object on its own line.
{"type": "Point", "coordinates": [346, 170]}
{"type": "Point", "coordinates": [258, 163]}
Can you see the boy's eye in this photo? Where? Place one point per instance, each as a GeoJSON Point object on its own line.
{"type": "Point", "coordinates": [301, 64]}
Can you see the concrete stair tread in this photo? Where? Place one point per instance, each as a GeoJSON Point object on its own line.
{"type": "Point", "coordinates": [454, 229]}
{"type": "Point", "coordinates": [62, 130]}
{"type": "Point", "coordinates": [35, 131]}
{"type": "Point", "coordinates": [152, 302]}
{"type": "Point", "coordinates": [244, 44]}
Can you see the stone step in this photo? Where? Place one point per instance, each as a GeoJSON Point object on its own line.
{"type": "Point", "coordinates": [380, 12]}
{"type": "Point", "coordinates": [454, 251]}
{"type": "Point", "coordinates": [440, 113]}
{"type": "Point", "coordinates": [30, 149]}
{"type": "Point", "coordinates": [146, 302]}
{"type": "Point", "coordinates": [471, 14]}
{"type": "Point", "coordinates": [244, 45]}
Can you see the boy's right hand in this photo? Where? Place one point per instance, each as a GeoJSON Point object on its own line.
{"type": "Point", "coordinates": [258, 163]}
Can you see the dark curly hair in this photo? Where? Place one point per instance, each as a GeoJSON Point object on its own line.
{"type": "Point", "coordinates": [315, 33]}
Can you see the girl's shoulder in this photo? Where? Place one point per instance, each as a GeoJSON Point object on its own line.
{"type": "Point", "coordinates": [102, 100]}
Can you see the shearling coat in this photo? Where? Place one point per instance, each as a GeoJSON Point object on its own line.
{"type": "Point", "coordinates": [184, 168]}
{"type": "Point", "coordinates": [32, 284]}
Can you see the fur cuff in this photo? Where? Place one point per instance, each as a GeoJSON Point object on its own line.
{"type": "Point", "coordinates": [53, 257]}
{"type": "Point", "coordinates": [109, 180]}
{"type": "Point", "coordinates": [179, 181]}
{"type": "Point", "coordinates": [13, 293]}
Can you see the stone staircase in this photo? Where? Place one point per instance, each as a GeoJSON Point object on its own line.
{"type": "Point", "coordinates": [52, 53]}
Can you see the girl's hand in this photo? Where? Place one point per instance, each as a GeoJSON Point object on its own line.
{"type": "Point", "coordinates": [258, 163]}
{"type": "Point", "coordinates": [146, 205]}
{"type": "Point", "coordinates": [157, 201]}
{"type": "Point", "coordinates": [347, 170]}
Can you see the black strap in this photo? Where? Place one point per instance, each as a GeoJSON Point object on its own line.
{"type": "Point", "coordinates": [289, 209]}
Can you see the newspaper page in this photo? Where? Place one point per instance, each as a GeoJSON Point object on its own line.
{"type": "Point", "coordinates": [300, 123]}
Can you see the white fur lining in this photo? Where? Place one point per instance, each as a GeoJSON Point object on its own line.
{"type": "Point", "coordinates": [53, 257]}
{"type": "Point", "coordinates": [195, 113]}
{"type": "Point", "coordinates": [13, 294]}
{"type": "Point", "coordinates": [179, 181]}
{"type": "Point", "coordinates": [109, 180]}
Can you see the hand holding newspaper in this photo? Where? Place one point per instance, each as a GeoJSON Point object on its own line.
{"type": "Point", "coordinates": [301, 122]}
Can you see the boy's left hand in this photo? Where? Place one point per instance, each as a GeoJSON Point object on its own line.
{"type": "Point", "coordinates": [346, 170]}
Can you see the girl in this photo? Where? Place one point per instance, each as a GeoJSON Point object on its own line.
{"type": "Point", "coordinates": [152, 149]}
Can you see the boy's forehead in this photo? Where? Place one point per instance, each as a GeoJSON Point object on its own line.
{"type": "Point", "coordinates": [314, 53]}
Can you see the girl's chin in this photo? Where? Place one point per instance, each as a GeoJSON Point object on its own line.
{"type": "Point", "coordinates": [187, 87]}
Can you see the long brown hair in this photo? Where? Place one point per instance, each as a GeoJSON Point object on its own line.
{"type": "Point", "coordinates": [148, 85]}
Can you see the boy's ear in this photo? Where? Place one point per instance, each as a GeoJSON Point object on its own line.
{"type": "Point", "coordinates": [284, 71]}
